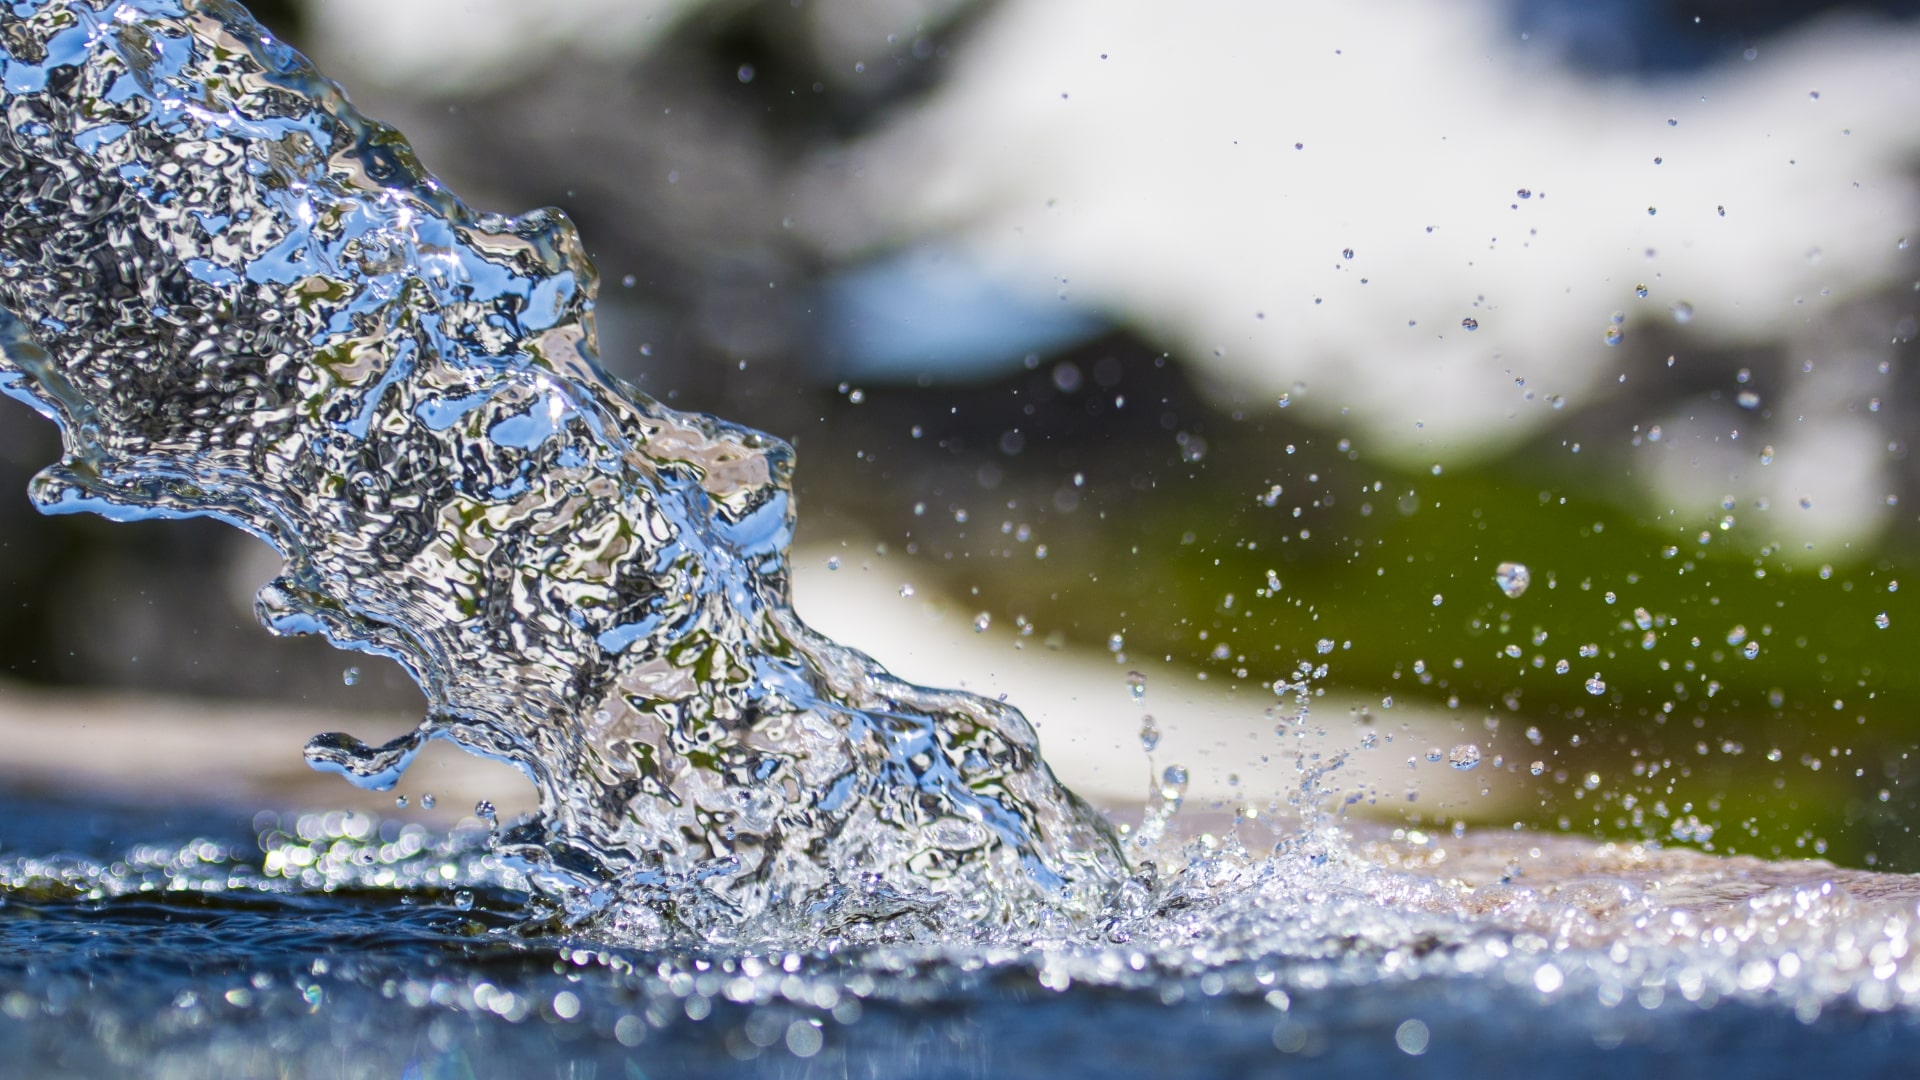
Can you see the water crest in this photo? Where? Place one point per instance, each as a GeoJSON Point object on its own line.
{"type": "Point", "coordinates": [241, 299]}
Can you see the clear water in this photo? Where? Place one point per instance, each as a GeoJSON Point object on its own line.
{"type": "Point", "coordinates": [754, 849]}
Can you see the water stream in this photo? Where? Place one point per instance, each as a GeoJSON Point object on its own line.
{"type": "Point", "coordinates": [240, 299]}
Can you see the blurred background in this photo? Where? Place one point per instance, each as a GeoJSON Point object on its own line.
{"type": "Point", "coordinates": [1127, 348]}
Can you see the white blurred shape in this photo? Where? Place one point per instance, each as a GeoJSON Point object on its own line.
{"type": "Point", "coordinates": [452, 47]}
{"type": "Point", "coordinates": [1081, 703]}
{"type": "Point", "coordinates": [1201, 173]}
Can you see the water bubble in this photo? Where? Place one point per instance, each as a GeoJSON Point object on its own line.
{"type": "Point", "coordinates": [1469, 323]}
{"type": "Point", "coordinates": [1463, 757]}
{"type": "Point", "coordinates": [1882, 621]}
{"type": "Point", "coordinates": [1596, 685]}
{"type": "Point", "coordinates": [1323, 646]}
{"type": "Point", "coordinates": [1537, 768]}
{"type": "Point", "coordinates": [350, 676]}
{"type": "Point", "coordinates": [1512, 578]}
{"type": "Point", "coordinates": [1412, 1038]}
{"type": "Point", "coordinates": [981, 622]}
{"type": "Point", "coordinates": [1137, 686]}
{"type": "Point", "coordinates": [1752, 650]}
{"type": "Point", "coordinates": [1642, 618]}
{"type": "Point", "coordinates": [1434, 754]}
{"type": "Point", "coordinates": [1438, 599]}
{"type": "Point", "coordinates": [1562, 667]}
{"type": "Point", "coordinates": [1149, 734]}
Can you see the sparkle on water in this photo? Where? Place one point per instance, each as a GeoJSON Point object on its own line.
{"type": "Point", "coordinates": [240, 299]}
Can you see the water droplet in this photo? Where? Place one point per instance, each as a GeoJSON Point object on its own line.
{"type": "Point", "coordinates": [400, 801]}
{"type": "Point", "coordinates": [1596, 685]}
{"type": "Point", "coordinates": [1323, 646]}
{"type": "Point", "coordinates": [1562, 667]}
{"type": "Point", "coordinates": [1537, 768]}
{"type": "Point", "coordinates": [1173, 782]}
{"type": "Point", "coordinates": [350, 676]}
{"type": "Point", "coordinates": [1434, 754]}
{"type": "Point", "coordinates": [1682, 312]}
{"type": "Point", "coordinates": [484, 810]}
{"type": "Point", "coordinates": [1614, 335]}
{"type": "Point", "coordinates": [906, 589]}
{"type": "Point", "coordinates": [981, 622]}
{"type": "Point", "coordinates": [745, 74]}
{"type": "Point", "coordinates": [1752, 650]}
{"type": "Point", "coordinates": [833, 562]}
{"type": "Point", "coordinates": [1747, 399]}
{"type": "Point", "coordinates": [1346, 253]}
{"type": "Point", "coordinates": [856, 396]}
{"type": "Point", "coordinates": [427, 800]}
{"type": "Point", "coordinates": [1116, 642]}
{"type": "Point", "coordinates": [1642, 618]}
{"type": "Point", "coordinates": [1463, 757]}
{"type": "Point", "coordinates": [1137, 686]}
{"type": "Point", "coordinates": [1469, 323]}
{"type": "Point", "coordinates": [1640, 290]}
{"type": "Point", "coordinates": [1284, 400]}
{"type": "Point", "coordinates": [1524, 193]}
{"type": "Point", "coordinates": [1882, 621]}
{"type": "Point", "coordinates": [1149, 734]}
{"type": "Point", "coordinates": [1438, 599]}
{"type": "Point", "coordinates": [1736, 635]}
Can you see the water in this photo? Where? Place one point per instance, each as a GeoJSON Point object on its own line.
{"type": "Point", "coordinates": [753, 849]}
{"type": "Point", "coordinates": [240, 299]}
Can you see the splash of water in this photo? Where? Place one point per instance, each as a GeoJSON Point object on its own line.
{"type": "Point", "coordinates": [240, 299]}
